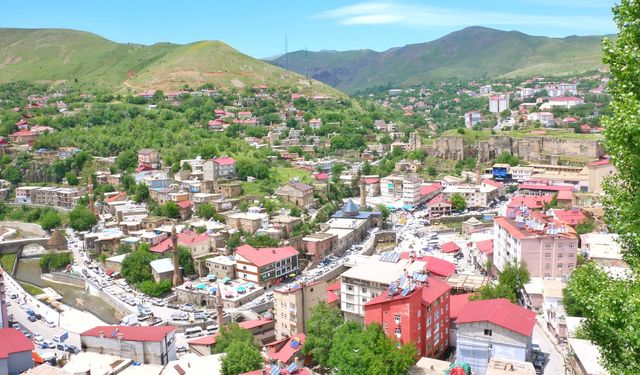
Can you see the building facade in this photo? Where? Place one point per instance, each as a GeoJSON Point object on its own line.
{"type": "Point", "coordinates": [265, 265]}
{"type": "Point", "coordinates": [292, 306]}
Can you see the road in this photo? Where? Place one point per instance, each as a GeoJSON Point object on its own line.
{"type": "Point", "coordinates": [554, 361]}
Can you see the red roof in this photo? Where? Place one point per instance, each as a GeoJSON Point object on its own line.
{"type": "Point", "coordinates": [21, 133]}
{"type": "Point", "coordinates": [267, 255]}
{"type": "Point", "coordinates": [500, 312]}
{"type": "Point", "coordinates": [497, 184]}
{"type": "Point", "coordinates": [438, 267]}
{"type": "Point", "coordinates": [186, 238]}
{"type": "Point", "coordinates": [287, 351]}
{"type": "Point", "coordinates": [603, 161]}
{"type": "Point", "coordinates": [132, 333]}
{"type": "Point", "coordinates": [430, 291]}
{"type": "Point", "coordinates": [563, 98]}
{"type": "Point", "coordinates": [450, 247]}
{"type": "Point", "coordinates": [185, 204]}
{"type": "Point", "coordinates": [225, 160]}
{"type": "Point", "coordinates": [428, 189]}
{"type": "Point", "coordinates": [283, 371]}
{"type": "Point", "coordinates": [204, 340]}
{"type": "Point", "coordinates": [331, 297]}
{"type": "Point", "coordinates": [321, 176]}
{"type": "Point", "coordinates": [249, 324]}
{"type": "Point", "coordinates": [116, 197]}
{"type": "Point", "coordinates": [333, 287]}
{"type": "Point", "coordinates": [530, 186]}
{"type": "Point", "coordinates": [532, 202]}
{"type": "Point", "coordinates": [569, 217]}
{"type": "Point", "coordinates": [440, 198]}
{"type": "Point", "coordinates": [13, 341]}
{"type": "Point", "coordinates": [485, 246]}
{"type": "Point", "coordinates": [456, 303]}
{"type": "Point", "coordinates": [371, 180]}
{"type": "Point", "coordinates": [565, 195]}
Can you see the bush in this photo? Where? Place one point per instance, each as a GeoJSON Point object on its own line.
{"type": "Point", "coordinates": [155, 289]}
{"type": "Point", "coordinates": [50, 220]}
{"type": "Point", "coordinates": [81, 219]}
{"type": "Point", "coordinates": [54, 261]}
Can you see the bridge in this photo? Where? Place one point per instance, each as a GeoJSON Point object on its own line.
{"type": "Point", "coordinates": [16, 246]}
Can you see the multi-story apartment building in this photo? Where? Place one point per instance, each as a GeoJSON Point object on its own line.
{"type": "Point", "coordinates": [498, 103]}
{"type": "Point", "coordinates": [67, 197]}
{"type": "Point", "coordinates": [48, 195]}
{"type": "Point", "coordinates": [292, 306]}
{"type": "Point", "coordinates": [414, 310]}
{"type": "Point", "coordinates": [366, 281]}
{"type": "Point", "coordinates": [522, 173]}
{"type": "Point", "coordinates": [265, 266]}
{"type": "Point", "coordinates": [476, 196]}
{"type": "Point", "coordinates": [545, 118]}
{"type": "Point", "coordinates": [561, 89]}
{"type": "Point", "coordinates": [472, 118]}
{"type": "Point", "coordinates": [486, 90]}
{"type": "Point", "coordinates": [148, 345]}
{"type": "Point", "coordinates": [547, 246]}
{"type": "Point", "coordinates": [404, 188]}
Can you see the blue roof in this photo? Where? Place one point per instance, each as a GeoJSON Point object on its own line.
{"type": "Point", "coordinates": [292, 368]}
{"type": "Point", "coordinates": [361, 215]}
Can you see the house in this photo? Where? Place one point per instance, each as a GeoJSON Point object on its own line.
{"type": "Point", "coordinates": [198, 243]}
{"type": "Point", "coordinates": [456, 303]}
{"type": "Point", "coordinates": [429, 191]}
{"type": "Point", "coordinates": [598, 171]}
{"type": "Point", "coordinates": [149, 158]}
{"type": "Point", "coordinates": [265, 265]}
{"type": "Point", "coordinates": [23, 137]}
{"type": "Point", "coordinates": [570, 217]}
{"type": "Point", "coordinates": [225, 167]}
{"type": "Point", "coordinates": [222, 266]}
{"type": "Point", "coordinates": [292, 306]}
{"type": "Point", "coordinates": [520, 204]}
{"type": "Point", "coordinates": [162, 269]}
{"type": "Point", "coordinates": [563, 101]}
{"type": "Point", "coordinates": [450, 247]}
{"type": "Point", "coordinates": [483, 254]}
{"type": "Point", "coordinates": [319, 245]}
{"type": "Point", "coordinates": [586, 358]}
{"type": "Point", "coordinates": [315, 123]}
{"type": "Point", "coordinates": [545, 118]}
{"type": "Point", "coordinates": [405, 189]}
{"type": "Point", "coordinates": [15, 351]}
{"type": "Point", "coordinates": [439, 206]}
{"type": "Point", "coordinates": [476, 196]}
{"type": "Point", "coordinates": [491, 328]}
{"type": "Point", "coordinates": [414, 310]}
{"type": "Point", "coordinates": [498, 103]}
{"type": "Point", "coordinates": [248, 222]}
{"type": "Point", "coordinates": [547, 246]}
{"type": "Point", "coordinates": [149, 345]}
{"type": "Point", "coordinates": [286, 352]}
{"type": "Point", "coordinates": [472, 118]}
{"type": "Point", "coordinates": [297, 193]}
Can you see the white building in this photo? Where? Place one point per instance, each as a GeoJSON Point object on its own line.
{"type": "Point", "coordinates": [545, 118]}
{"type": "Point", "coordinates": [493, 328]}
{"type": "Point", "coordinates": [476, 196]}
{"type": "Point", "coordinates": [561, 89]}
{"type": "Point", "coordinates": [486, 90]}
{"type": "Point", "coordinates": [472, 118]}
{"type": "Point", "coordinates": [526, 92]}
{"type": "Point", "coordinates": [402, 188]}
{"type": "Point", "coordinates": [498, 103]}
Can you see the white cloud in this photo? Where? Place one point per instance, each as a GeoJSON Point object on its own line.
{"type": "Point", "coordinates": [389, 12]}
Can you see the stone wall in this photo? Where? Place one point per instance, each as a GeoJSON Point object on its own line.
{"type": "Point", "coordinates": [531, 149]}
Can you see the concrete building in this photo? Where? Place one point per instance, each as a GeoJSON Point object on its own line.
{"type": "Point", "coordinates": [439, 206]}
{"type": "Point", "coordinates": [545, 118]}
{"type": "Point", "coordinates": [561, 89]}
{"type": "Point", "coordinates": [498, 103]}
{"type": "Point", "coordinates": [265, 265]}
{"type": "Point", "coordinates": [297, 193]}
{"type": "Point", "coordinates": [222, 266]}
{"type": "Point", "coordinates": [162, 269]}
{"type": "Point", "coordinates": [476, 196]}
{"type": "Point", "coordinates": [472, 118]}
{"type": "Point", "coordinates": [292, 306]}
{"type": "Point", "coordinates": [25, 194]}
{"type": "Point", "coordinates": [401, 188]}
{"type": "Point", "coordinates": [350, 226]}
{"type": "Point", "coordinates": [546, 246]}
{"type": "Point", "coordinates": [219, 168]}
{"type": "Point", "coordinates": [485, 90]}
{"type": "Point", "coordinates": [598, 171]}
{"type": "Point", "coordinates": [15, 352]}
{"type": "Point", "coordinates": [586, 358]}
{"type": "Point", "coordinates": [248, 222]}
{"type": "Point", "coordinates": [414, 310]}
{"type": "Point", "coordinates": [493, 328]}
{"type": "Point", "coordinates": [149, 158]}
{"type": "Point", "coordinates": [319, 245]}
{"type": "Point", "coordinates": [148, 345]}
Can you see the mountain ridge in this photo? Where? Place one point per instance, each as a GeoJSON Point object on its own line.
{"type": "Point", "coordinates": [66, 55]}
{"type": "Point", "coordinates": [471, 53]}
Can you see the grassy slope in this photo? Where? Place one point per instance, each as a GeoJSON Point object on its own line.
{"type": "Point", "coordinates": [472, 53]}
{"type": "Point", "coordinates": [68, 55]}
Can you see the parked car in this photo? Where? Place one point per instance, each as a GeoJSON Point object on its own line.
{"type": "Point", "coordinates": [188, 307]}
{"type": "Point", "coordinates": [73, 349]}
{"type": "Point", "coordinates": [200, 315]}
{"type": "Point", "coordinates": [181, 348]}
{"type": "Point", "coordinates": [48, 345]}
{"type": "Point", "coordinates": [38, 339]}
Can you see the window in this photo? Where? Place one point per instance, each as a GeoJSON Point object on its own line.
{"type": "Point", "coordinates": [364, 300]}
{"type": "Point", "coordinates": [547, 255]}
{"type": "Point", "coordinates": [560, 255]}
{"type": "Point", "coordinates": [571, 255]}
{"type": "Point", "coordinates": [436, 315]}
{"type": "Point", "coordinates": [429, 333]}
{"type": "Point", "coordinates": [572, 245]}
{"type": "Point", "coordinates": [559, 265]}
{"type": "Point", "coordinates": [419, 326]}
{"type": "Point", "coordinates": [419, 312]}
{"type": "Point", "coordinates": [487, 332]}
{"type": "Point", "coordinates": [428, 320]}
{"type": "Point", "coordinates": [547, 266]}
{"type": "Point", "coordinates": [349, 297]}
{"type": "Point", "coordinates": [547, 245]}
{"type": "Point", "coordinates": [570, 266]}
{"type": "Point", "coordinates": [350, 288]}
{"type": "Point", "coordinates": [364, 290]}
{"type": "Point", "coordinates": [349, 306]}
{"type": "Point", "coordinates": [396, 318]}
{"type": "Point", "coordinates": [397, 331]}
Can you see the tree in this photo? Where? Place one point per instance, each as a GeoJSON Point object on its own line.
{"type": "Point", "coordinates": [206, 211]}
{"type": "Point", "coordinates": [81, 219]}
{"type": "Point", "coordinates": [135, 266]}
{"type": "Point", "coordinates": [142, 193]}
{"type": "Point", "coordinates": [553, 203]}
{"type": "Point", "coordinates": [186, 260]}
{"type": "Point", "coordinates": [458, 201]}
{"type": "Point", "coordinates": [241, 357]}
{"type": "Point", "coordinates": [295, 211]}
{"type": "Point", "coordinates": [72, 179]}
{"type": "Point", "coordinates": [231, 333]}
{"type": "Point", "coordinates": [127, 160]}
{"type": "Point", "coordinates": [50, 220]}
{"type": "Point", "coordinates": [12, 174]}
{"type": "Point", "coordinates": [169, 209]}
{"type": "Point", "coordinates": [54, 261]}
{"type": "Point", "coordinates": [510, 285]}
{"type": "Point", "coordinates": [432, 171]}
{"type": "Point", "coordinates": [321, 327]}
{"type": "Point", "coordinates": [154, 289]}
{"type": "Point", "coordinates": [507, 158]}
{"type": "Point", "coordinates": [587, 226]}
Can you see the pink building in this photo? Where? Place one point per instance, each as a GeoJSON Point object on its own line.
{"type": "Point", "coordinates": [547, 246]}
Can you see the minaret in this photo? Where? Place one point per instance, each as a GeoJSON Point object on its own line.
{"type": "Point", "coordinates": [219, 308]}
{"type": "Point", "coordinates": [177, 276]}
{"type": "Point", "coordinates": [363, 194]}
{"type": "Point", "coordinates": [91, 202]}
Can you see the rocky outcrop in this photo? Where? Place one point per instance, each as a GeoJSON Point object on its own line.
{"type": "Point", "coordinates": [531, 149]}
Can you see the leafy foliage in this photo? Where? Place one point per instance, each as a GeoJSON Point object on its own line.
{"type": "Point", "coordinates": [320, 330]}
{"type": "Point", "coordinates": [231, 333]}
{"type": "Point", "coordinates": [155, 289]}
{"type": "Point", "coordinates": [510, 285]}
{"type": "Point", "coordinates": [55, 261]}
{"type": "Point", "coordinates": [135, 266]}
{"type": "Point", "coordinates": [241, 357]}
{"type": "Point", "coordinates": [508, 158]}
{"type": "Point", "coordinates": [81, 219]}
{"type": "Point", "coordinates": [50, 220]}
{"type": "Point", "coordinates": [458, 201]}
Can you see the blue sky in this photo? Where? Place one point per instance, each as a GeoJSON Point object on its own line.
{"type": "Point", "coordinates": [258, 27]}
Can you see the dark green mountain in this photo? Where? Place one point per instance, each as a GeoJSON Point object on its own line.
{"type": "Point", "coordinates": [471, 53]}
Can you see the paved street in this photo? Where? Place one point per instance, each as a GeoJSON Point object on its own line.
{"type": "Point", "coordinates": [554, 362]}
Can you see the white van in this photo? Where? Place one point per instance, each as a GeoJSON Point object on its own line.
{"type": "Point", "coordinates": [193, 332]}
{"type": "Point", "coordinates": [211, 329]}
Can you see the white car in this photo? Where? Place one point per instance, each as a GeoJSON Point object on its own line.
{"type": "Point", "coordinates": [50, 324]}
{"type": "Point", "coordinates": [37, 338]}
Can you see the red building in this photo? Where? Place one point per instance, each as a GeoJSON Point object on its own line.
{"type": "Point", "coordinates": [414, 311]}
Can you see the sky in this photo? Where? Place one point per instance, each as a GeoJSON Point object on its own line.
{"type": "Point", "coordinates": [258, 27]}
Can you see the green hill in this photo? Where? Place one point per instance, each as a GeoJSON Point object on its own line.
{"type": "Point", "coordinates": [60, 55]}
{"type": "Point", "coordinates": [471, 53]}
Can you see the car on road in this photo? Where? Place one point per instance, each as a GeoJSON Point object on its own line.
{"type": "Point", "coordinates": [143, 317]}
{"type": "Point", "coordinates": [50, 324]}
{"type": "Point", "coordinates": [180, 316]}
{"type": "Point", "coordinates": [181, 349]}
{"type": "Point", "coordinates": [32, 318]}
{"type": "Point", "coordinates": [131, 301]}
{"type": "Point", "coordinates": [38, 339]}
{"type": "Point", "coordinates": [188, 307]}
{"type": "Point", "coordinates": [200, 315]}
{"type": "Point", "coordinates": [26, 333]}
{"type": "Point", "coordinates": [158, 302]}
{"type": "Point", "coordinates": [72, 349]}
{"type": "Point", "coordinates": [47, 345]}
